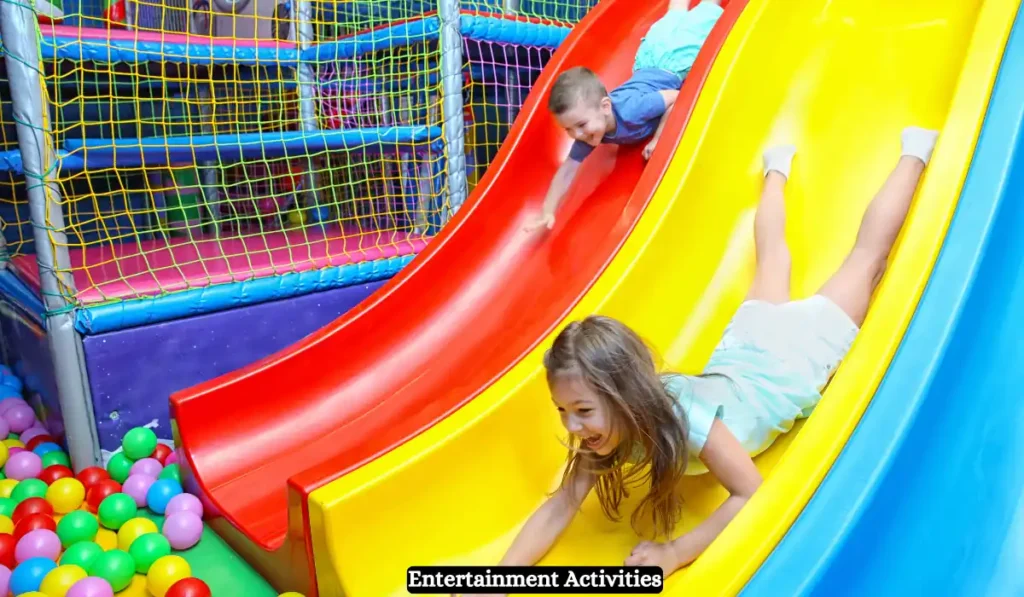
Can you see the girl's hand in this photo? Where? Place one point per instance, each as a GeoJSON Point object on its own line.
{"type": "Point", "coordinates": [650, 553]}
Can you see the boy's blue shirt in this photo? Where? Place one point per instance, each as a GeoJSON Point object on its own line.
{"type": "Point", "coordinates": [637, 107]}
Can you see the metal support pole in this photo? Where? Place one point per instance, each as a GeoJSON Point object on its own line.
{"type": "Point", "coordinates": [307, 95]}
{"type": "Point", "coordinates": [18, 30]}
{"type": "Point", "coordinates": [451, 101]}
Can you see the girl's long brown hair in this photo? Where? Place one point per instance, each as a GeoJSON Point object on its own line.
{"type": "Point", "coordinates": [616, 364]}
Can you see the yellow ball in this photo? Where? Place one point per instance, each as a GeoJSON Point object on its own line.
{"type": "Point", "coordinates": [165, 572]}
{"type": "Point", "coordinates": [291, 594]}
{"type": "Point", "coordinates": [4, 454]}
{"type": "Point", "coordinates": [136, 589]}
{"type": "Point", "coordinates": [65, 495]}
{"type": "Point", "coordinates": [13, 443]}
{"type": "Point", "coordinates": [132, 530]}
{"type": "Point", "coordinates": [59, 581]}
{"type": "Point", "coordinates": [7, 486]}
{"type": "Point", "coordinates": [6, 525]}
{"type": "Point", "coordinates": [33, 594]}
{"type": "Point", "coordinates": [106, 538]}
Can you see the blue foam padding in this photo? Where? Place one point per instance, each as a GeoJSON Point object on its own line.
{"type": "Point", "coordinates": [132, 51]}
{"type": "Point", "coordinates": [14, 289]}
{"type": "Point", "coordinates": [105, 153]}
{"type": "Point", "coordinates": [115, 316]}
{"type": "Point", "coordinates": [10, 161]}
{"type": "Point", "coordinates": [480, 28]}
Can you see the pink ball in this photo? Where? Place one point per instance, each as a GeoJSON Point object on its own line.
{"type": "Point", "coordinates": [91, 586]}
{"type": "Point", "coordinates": [147, 466]}
{"type": "Point", "coordinates": [31, 432]}
{"type": "Point", "coordinates": [15, 450]}
{"type": "Point", "coordinates": [171, 458]}
{"type": "Point", "coordinates": [20, 417]}
{"type": "Point", "coordinates": [183, 530]}
{"type": "Point", "coordinates": [10, 402]}
{"type": "Point", "coordinates": [40, 543]}
{"type": "Point", "coordinates": [23, 465]}
{"type": "Point", "coordinates": [5, 580]}
{"type": "Point", "coordinates": [184, 502]}
{"type": "Point", "coordinates": [5, 428]}
{"type": "Point", "coordinates": [137, 485]}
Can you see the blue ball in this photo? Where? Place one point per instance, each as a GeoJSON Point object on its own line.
{"type": "Point", "coordinates": [10, 381]}
{"type": "Point", "coordinates": [160, 493]}
{"type": "Point", "coordinates": [46, 448]}
{"type": "Point", "coordinates": [5, 370]}
{"type": "Point", "coordinates": [28, 575]}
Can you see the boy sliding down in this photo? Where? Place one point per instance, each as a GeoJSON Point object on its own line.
{"type": "Point", "coordinates": [636, 110]}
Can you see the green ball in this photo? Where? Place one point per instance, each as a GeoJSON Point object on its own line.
{"type": "Point", "coordinates": [83, 555]}
{"type": "Point", "coordinates": [55, 457]}
{"type": "Point", "coordinates": [7, 506]}
{"type": "Point", "coordinates": [171, 471]}
{"type": "Point", "coordinates": [147, 549]}
{"type": "Point", "coordinates": [13, 435]}
{"type": "Point", "coordinates": [28, 488]}
{"type": "Point", "coordinates": [77, 526]}
{"type": "Point", "coordinates": [114, 566]}
{"type": "Point", "coordinates": [139, 443]}
{"type": "Point", "coordinates": [117, 509]}
{"type": "Point", "coordinates": [2, 476]}
{"type": "Point", "coordinates": [119, 466]}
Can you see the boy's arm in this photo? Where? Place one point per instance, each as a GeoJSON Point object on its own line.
{"type": "Point", "coordinates": [556, 192]}
{"type": "Point", "coordinates": [670, 101]}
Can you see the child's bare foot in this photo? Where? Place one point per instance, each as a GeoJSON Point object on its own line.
{"type": "Point", "coordinates": [779, 159]}
{"type": "Point", "coordinates": [919, 142]}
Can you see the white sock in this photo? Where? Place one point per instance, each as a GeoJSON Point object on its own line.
{"type": "Point", "coordinates": [919, 142]}
{"type": "Point", "coordinates": [779, 158]}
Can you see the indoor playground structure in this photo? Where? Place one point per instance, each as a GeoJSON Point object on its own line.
{"type": "Point", "coordinates": [416, 428]}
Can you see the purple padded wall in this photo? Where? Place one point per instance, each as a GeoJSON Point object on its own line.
{"type": "Point", "coordinates": [133, 372]}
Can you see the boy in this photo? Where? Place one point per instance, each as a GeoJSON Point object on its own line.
{"type": "Point", "coordinates": [638, 109]}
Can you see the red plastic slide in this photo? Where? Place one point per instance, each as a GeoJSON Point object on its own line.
{"type": "Point", "coordinates": [476, 300]}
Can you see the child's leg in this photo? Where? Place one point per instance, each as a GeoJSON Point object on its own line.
{"type": "Point", "coordinates": [771, 275]}
{"type": "Point", "coordinates": [685, 4]}
{"type": "Point", "coordinates": [853, 284]}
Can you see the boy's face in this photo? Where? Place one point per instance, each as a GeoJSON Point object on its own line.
{"type": "Point", "coordinates": [587, 121]}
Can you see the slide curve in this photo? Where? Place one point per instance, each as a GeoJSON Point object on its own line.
{"type": "Point", "coordinates": [926, 498]}
{"type": "Point", "coordinates": [481, 296]}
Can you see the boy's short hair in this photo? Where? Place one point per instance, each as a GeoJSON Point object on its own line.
{"type": "Point", "coordinates": [575, 85]}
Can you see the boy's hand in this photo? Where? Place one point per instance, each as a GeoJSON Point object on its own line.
{"type": "Point", "coordinates": [649, 148]}
{"type": "Point", "coordinates": [544, 221]}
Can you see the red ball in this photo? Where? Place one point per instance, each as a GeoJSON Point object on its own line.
{"type": "Point", "coordinates": [161, 452]}
{"type": "Point", "coordinates": [99, 491]}
{"type": "Point", "coordinates": [39, 439]}
{"type": "Point", "coordinates": [7, 543]}
{"type": "Point", "coordinates": [33, 522]}
{"type": "Point", "coordinates": [34, 505]}
{"type": "Point", "coordinates": [91, 476]}
{"type": "Point", "coordinates": [54, 472]}
{"type": "Point", "coordinates": [188, 587]}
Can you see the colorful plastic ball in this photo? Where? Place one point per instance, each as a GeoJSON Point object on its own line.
{"type": "Point", "coordinates": [147, 549]}
{"type": "Point", "coordinates": [76, 527]}
{"type": "Point", "coordinates": [19, 417]}
{"type": "Point", "coordinates": [59, 581]}
{"type": "Point", "coordinates": [161, 452]}
{"type": "Point", "coordinates": [40, 543]}
{"type": "Point", "coordinates": [7, 506]}
{"type": "Point", "coordinates": [13, 443]}
{"type": "Point", "coordinates": [56, 457]}
{"type": "Point", "coordinates": [40, 440]}
{"type": "Point", "coordinates": [107, 539]}
{"type": "Point", "coordinates": [23, 465]}
{"type": "Point", "coordinates": [5, 453]}
{"type": "Point", "coordinates": [6, 526]}
{"type": "Point", "coordinates": [119, 466]}
{"type": "Point", "coordinates": [171, 471]}
{"type": "Point", "coordinates": [30, 574]}
{"type": "Point", "coordinates": [114, 566]}
{"type": "Point", "coordinates": [132, 530]}
{"type": "Point", "coordinates": [161, 492]}
{"type": "Point", "coordinates": [66, 495]}
{"type": "Point", "coordinates": [28, 488]}
{"type": "Point", "coordinates": [137, 485]}
{"type": "Point", "coordinates": [30, 506]}
{"type": "Point", "coordinates": [7, 545]}
{"type": "Point", "coordinates": [139, 443]}
{"type": "Point", "coordinates": [5, 580]}
{"type": "Point", "coordinates": [33, 523]}
{"type": "Point", "coordinates": [147, 466]}
{"type": "Point", "coordinates": [44, 448]}
{"type": "Point", "coordinates": [7, 487]}
{"type": "Point", "coordinates": [172, 459]}
{"type": "Point", "coordinates": [91, 586]}
{"type": "Point", "coordinates": [13, 382]}
{"type": "Point", "coordinates": [184, 502]}
{"type": "Point", "coordinates": [12, 450]}
{"type": "Point", "coordinates": [189, 587]}
{"type": "Point", "coordinates": [116, 510]}
{"type": "Point", "coordinates": [99, 491]}
{"type": "Point", "coordinates": [10, 401]}
{"type": "Point", "coordinates": [91, 476]}
{"type": "Point", "coordinates": [51, 473]}
{"type": "Point", "coordinates": [183, 530]}
{"type": "Point", "coordinates": [12, 435]}
{"type": "Point", "coordinates": [82, 554]}
{"type": "Point", "coordinates": [33, 432]}
{"type": "Point", "coordinates": [165, 572]}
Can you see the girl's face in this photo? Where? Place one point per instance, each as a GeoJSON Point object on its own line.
{"type": "Point", "coordinates": [585, 415]}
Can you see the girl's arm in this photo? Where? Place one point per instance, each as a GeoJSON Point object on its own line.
{"type": "Point", "coordinates": [729, 462]}
{"type": "Point", "coordinates": [546, 524]}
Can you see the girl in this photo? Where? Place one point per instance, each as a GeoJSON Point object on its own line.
{"type": "Point", "coordinates": [774, 359]}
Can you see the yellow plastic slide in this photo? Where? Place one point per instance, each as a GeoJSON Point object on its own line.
{"type": "Point", "coordinates": [837, 78]}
